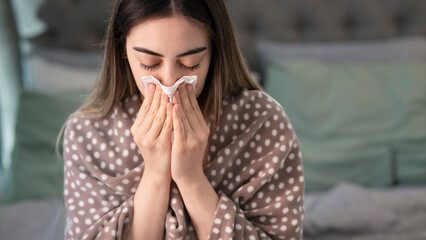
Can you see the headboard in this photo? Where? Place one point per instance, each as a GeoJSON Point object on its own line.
{"type": "Point", "coordinates": [81, 24]}
{"type": "Point", "coordinates": [324, 20]}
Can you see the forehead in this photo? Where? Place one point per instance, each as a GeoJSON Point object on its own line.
{"type": "Point", "coordinates": [170, 32]}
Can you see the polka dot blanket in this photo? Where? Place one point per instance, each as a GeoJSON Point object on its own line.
{"type": "Point", "coordinates": [254, 164]}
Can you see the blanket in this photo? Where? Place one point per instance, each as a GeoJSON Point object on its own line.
{"type": "Point", "coordinates": [254, 165]}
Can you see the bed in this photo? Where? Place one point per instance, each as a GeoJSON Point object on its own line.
{"type": "Point", "coordinates": [351, 76]}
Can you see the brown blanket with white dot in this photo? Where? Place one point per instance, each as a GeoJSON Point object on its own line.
{"type": "Point", "coordinates": [254, 165]}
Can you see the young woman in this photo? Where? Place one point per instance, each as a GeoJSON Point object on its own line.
{"type": "Point", "coordinates": [220, 161]}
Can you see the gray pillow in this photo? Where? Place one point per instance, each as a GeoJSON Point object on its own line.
{"type": "Point", "coordinates": [74, 24]}
{"type": "Point", "coordinates": [36, 219]}
{"type": "Point", "coordinates": [52, 70]}
{"type": "Point", "coordinates": [409, 49]}
{"type": "Point", "coordinates": [71, 58]}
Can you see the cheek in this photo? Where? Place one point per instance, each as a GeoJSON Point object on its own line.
{"type": "Point", "coordinates": [137, 74]}
{"type": "Point", "coordinates": [140, 85]}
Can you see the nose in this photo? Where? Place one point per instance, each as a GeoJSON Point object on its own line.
{"type": "Point", "coordinates": [169, 75]}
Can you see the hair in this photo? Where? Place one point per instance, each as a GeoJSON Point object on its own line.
{"type": "Point", "coordinates": [227, 75]}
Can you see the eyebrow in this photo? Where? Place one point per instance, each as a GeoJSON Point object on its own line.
{"type": "Point", "coordinates": [190, 52]}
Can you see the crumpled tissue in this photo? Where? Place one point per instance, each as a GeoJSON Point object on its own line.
{"type": "Point", "coordinates": [172, 89]}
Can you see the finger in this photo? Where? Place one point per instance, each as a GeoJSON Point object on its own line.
{"type": "Point", "coordinates": [179, 129]}
{"type": "Point", "coordinates": [184, 119]}
{"type": "Point", "coordinates": [186, 124]}
{"type": "Point", "coordinates": [167, 129]}
{"type": "Point", "coordinates": [183, 94]}
{"type": "Point", "coordinates": [187, 108]}
{"type": "Point", "coordinates": [155, 105]}
{"type": "Point", "coordinates": [159, 119]}
{"type": "Point", "coordinates": [176, 97]}
{"type": "Point", "coordinates": [195, 105]}
{"type": "Point", "coordinates": [146, 104]}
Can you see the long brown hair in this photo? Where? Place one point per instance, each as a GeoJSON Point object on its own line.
{"type": "Point", "coordinates": [227, 76]}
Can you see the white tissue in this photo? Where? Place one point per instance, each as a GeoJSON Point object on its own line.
{"type": "Point", "coordinates": [172, 89]}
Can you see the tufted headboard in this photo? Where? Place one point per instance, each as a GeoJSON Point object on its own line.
{"type": "Point", "coordinates": [325, 20]}
{"type": "Point", "coordinates": [81, 24]}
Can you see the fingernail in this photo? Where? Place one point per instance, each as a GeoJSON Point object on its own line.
{"type": "Point", "coordinates": [169, 107]}
{"type": "Point", "coordinates": [151, 87]}
{"type": "Point", "coordinates": [182, 88]}
{"type": "Point", "coordinates": [190, 88]}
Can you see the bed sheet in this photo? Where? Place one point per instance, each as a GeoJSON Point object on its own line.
{"type": "Point", "coordinates": [33, 220]}
{"type": "Point", "coordinates": [349, 211]}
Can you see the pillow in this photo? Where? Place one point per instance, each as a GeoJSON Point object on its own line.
{"type": "Point", "coordinates": [36, 171]}
{"type": "Point", "coordinates": [74, 24]}
{"type": "Point", "coordinates": [410, 162]}
{"type": "Point", "coordinates": [400, 49]}
{"type": "Point", "coordinates": [351, 117]}
{"type": "Point", "coordinates": [59, 69]}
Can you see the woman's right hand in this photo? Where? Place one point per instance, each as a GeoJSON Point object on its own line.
{"type": "Point", "coordinates": [152, 131]}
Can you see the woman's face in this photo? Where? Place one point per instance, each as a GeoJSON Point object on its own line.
{"type": "Point", "coordinates": [168, 49]}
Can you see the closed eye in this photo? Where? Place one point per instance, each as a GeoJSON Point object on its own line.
{"type": "Point", "coordinates": [193, 68]}
{"type": "Point", "coordinates": [149, 68]}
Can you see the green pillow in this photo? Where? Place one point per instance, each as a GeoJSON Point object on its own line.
{"type": "Point", "coordinates": [36, 171]}
{"type": "Point", "coordinates": [411, 163]}
{"type": "Point", "coordinates": [351, 117]}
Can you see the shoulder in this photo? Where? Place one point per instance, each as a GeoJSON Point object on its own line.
{"type": "Point", "coordinates": [256, 137]}
{"type": "Point", "coordinates": [251, 118]}
{"type": "Point", "coordinates": [255, 105]}
{"type": "Point", "coordinates": [103, 140]}
{"type": "Point", "coordinates": [122, 112]}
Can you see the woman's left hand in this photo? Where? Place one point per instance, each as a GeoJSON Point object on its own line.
{"type": "Point", "coordinates": [191, 134]}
